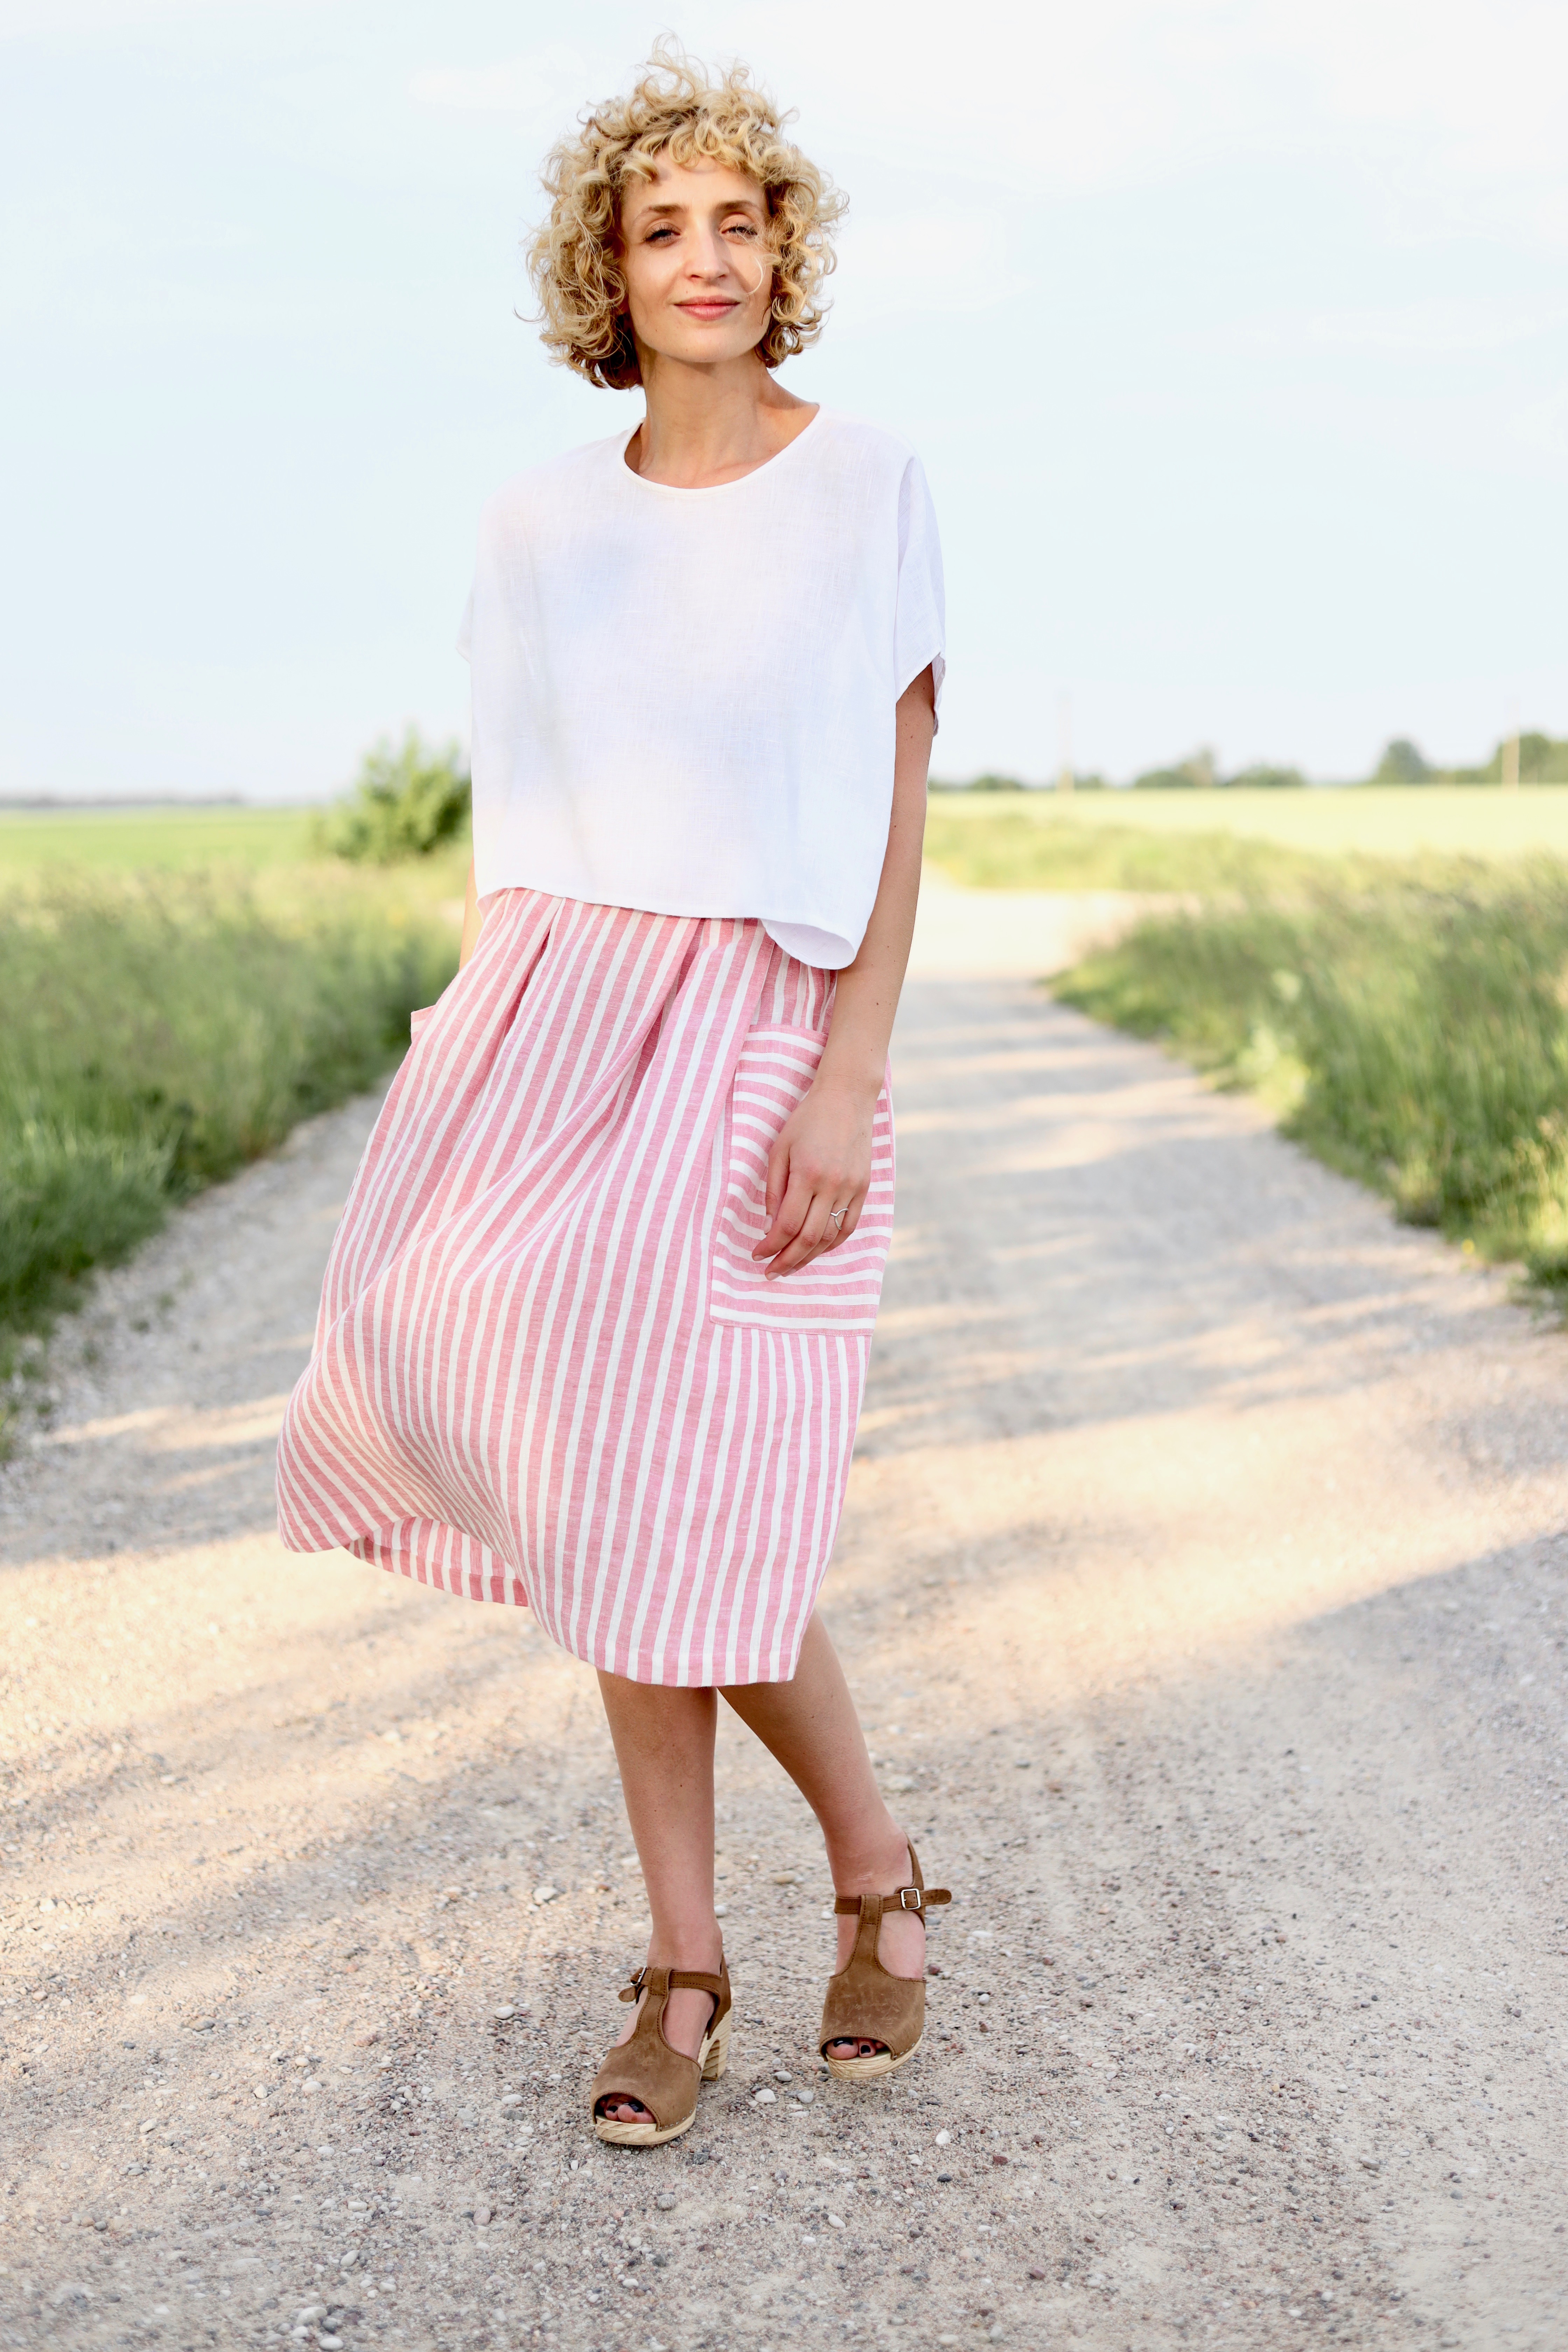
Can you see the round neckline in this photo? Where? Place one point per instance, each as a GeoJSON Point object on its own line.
{"type": "Point", "coordinates": [713, 490]}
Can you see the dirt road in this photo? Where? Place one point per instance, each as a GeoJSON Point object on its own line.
{"type": "Point", "coordinates": [1203, 1583]}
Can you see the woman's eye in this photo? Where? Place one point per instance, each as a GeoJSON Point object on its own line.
{"type": "Point", "coordinates": [741, 228]}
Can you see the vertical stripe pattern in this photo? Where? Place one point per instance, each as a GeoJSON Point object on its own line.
{"type": "Point", "coordinates": [545, 1370]}
{"type": "Point", "coordinates": [839, 1292]}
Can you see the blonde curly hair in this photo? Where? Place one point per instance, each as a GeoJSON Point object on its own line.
{"type": "Point", "coordinates": [675, 110]}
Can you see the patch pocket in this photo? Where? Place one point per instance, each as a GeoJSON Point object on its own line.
{"type": "Point", "coordinates": [839, 1292]}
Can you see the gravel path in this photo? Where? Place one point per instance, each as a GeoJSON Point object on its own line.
{"type": "Point", "coordinates": [1203, 1583]}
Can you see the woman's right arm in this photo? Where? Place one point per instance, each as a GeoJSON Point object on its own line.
{"type": "Point", "coordinates": [473, 921]}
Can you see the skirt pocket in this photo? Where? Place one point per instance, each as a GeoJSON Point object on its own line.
{"type": "Point", "coordinates": [838, 1292]}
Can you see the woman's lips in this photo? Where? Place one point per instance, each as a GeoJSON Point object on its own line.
{"type": "Point", "coordinates": [707, 309]}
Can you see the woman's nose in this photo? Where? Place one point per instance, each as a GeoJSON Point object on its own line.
{"type": "Point", "coordinates": [710, 260]}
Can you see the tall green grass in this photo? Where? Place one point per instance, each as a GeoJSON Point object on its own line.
{"type": "Point", "coordinates": [1412, 1033]}
{"type": "Point", "coordinates": [160, 1029]}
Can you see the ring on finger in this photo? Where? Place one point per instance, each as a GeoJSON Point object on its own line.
{"type": "Point", "coordinates": [836, 1218]}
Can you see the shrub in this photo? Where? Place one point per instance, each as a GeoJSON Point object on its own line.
{"type": "Point", "coordinates": [1262, 777]}
{"type": "Point", "coordinates": [1542, 760]}
{"type": "Point", "coordinates": [1197, 773]}
{"type": "Point", "coordinates": [408, 801]}
{"type": "Point", "coordinates": [1402, 763]}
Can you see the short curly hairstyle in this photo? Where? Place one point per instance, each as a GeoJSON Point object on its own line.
{"type": "Point", "coordinates": [679, 111]}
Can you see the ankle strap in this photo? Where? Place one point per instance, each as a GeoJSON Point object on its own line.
{"type": "Point", "coordinates": [908, 1898]}
{"type": "Point", "coordinates": [679, 1980]}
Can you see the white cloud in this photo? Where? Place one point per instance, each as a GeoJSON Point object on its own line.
{"type": "Point", "coordinates": [520, 86]}
{"type": "Point", "coordinates": [1457, 103]}
{"type": "Point", "coordinates": [1454, 104]}
{"type": "Point", "coordinates": [938, 264]}
{"type": "Point", "coordinates": [63, 20]}
{"type": "Point", "coordinates": [1483, 76]}
{"type": "Point", "coordinates": [1541, 427]}
{"type": "Point", "coordinates": [1431, 330]}
{"type": "Point", "coordinates": [1052, 95]}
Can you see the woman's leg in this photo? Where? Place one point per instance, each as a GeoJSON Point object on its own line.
{"type": "Point", "coordinates": [664, 1744]}
{"type": "Point", "coordinates": [811, 1725]}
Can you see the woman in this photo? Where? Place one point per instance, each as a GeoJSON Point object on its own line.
{"type": "Point", "coordinates": [594, 1328]}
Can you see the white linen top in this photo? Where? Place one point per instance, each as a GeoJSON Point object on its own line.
{"type": "Point", "coordinates": [683, 699]}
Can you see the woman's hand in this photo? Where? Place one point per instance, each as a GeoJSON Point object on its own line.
{"type": "Point", "coordinates": [821, 1162]}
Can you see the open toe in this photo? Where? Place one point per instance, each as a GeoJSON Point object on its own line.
{"type": "Point", "coordinates": [644, 2075]}
{"type": "Point", "coordinates": [871, 2020]}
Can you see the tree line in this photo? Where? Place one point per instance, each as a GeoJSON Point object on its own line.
{"type": "Point", "coordinates": [1540, 759]}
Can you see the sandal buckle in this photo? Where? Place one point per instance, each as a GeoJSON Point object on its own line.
{"type": "Point", "coordinates": [911, 1898]}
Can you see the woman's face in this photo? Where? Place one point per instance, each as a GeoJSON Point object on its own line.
{"type": "Point", "coordinates": [696, 261]}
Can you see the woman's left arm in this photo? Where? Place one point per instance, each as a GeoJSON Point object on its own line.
{"type": "Point", "coordinates": [822, 1160]}
{"type": "Point", "coordinates": [473, 921]}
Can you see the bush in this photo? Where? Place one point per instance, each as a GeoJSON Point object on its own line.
{"type": "Point", "coordinates": [986, 784]}
{"type": "Point", "coordinates": [163, 1029]}
{"type": "Point", "coordinates": [1542, 760]}
{"type": "Point", "coordinates": [1414, 1036]}
{"type": "Point", "coordinates": [407, 801]}
{"type": "Point", "coordinates": [1264, 778]}
{"type": "Point", "coordinates": [1194, 775]}
{"type": "Point", "coordinates": [1402, 763]}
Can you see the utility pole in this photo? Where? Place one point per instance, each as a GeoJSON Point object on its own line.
{"type": "Point", "coordinates": [1511, 758]}
{"type": "Point", "coordinates": [1064, 742]}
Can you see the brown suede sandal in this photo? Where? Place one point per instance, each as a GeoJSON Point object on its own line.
{"type": "Point", "coordinates": [646, 2069]}
{"type": "Point", "coordinates": [866, 2003]}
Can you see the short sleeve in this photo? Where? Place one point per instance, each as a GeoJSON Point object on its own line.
{"type": "Point", "coordinates": [919, 626]}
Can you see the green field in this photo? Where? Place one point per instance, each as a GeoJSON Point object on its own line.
{"type": "Point", "coordinates": [1372, 820]}
{"type": "Point", "coordinates": [996, 840]}
{"type": "Point", "coordinates": [132, 839]}
{"type": "Point", "coordinates": [1008, 848]}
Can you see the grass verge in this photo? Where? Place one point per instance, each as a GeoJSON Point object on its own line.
{"type": "Point", "coordinates": [162, 1028]}
{"type": "Point", "coordinates": [1412, 1034]}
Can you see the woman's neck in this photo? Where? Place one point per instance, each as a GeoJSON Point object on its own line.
{"type": "Point", "coordinates": [707, 425]}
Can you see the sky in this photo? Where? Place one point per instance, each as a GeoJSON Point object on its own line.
{"type": "Point", "coordinates": [1233, 333]}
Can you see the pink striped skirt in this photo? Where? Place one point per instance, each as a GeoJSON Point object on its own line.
{"type": "Point", "coordinates": [547, 1368]}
